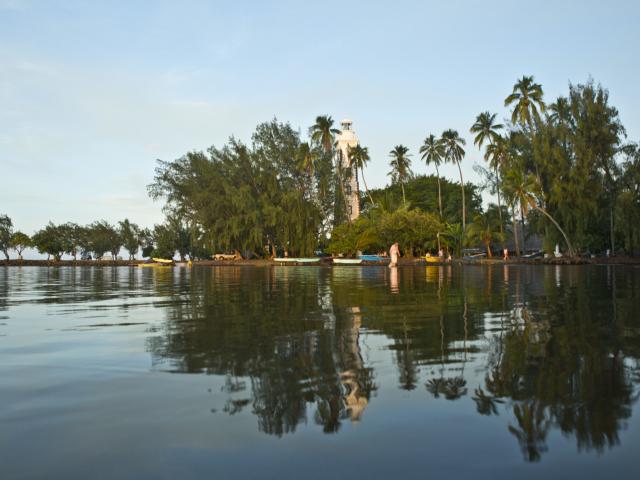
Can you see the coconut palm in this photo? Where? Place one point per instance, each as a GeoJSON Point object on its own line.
{"type": "Point", "coordinates": [486, 129]}
{"type": "Point", "coordinates": [484, 229]}
{"type": "Point", "coordinates": [400, 167]}
{"type": "Point", "coordinates": [453, 152]}
{"type": "Point", "coordinates": [432, 151]}
{"type": "Point", "coordinates": [523, 189]}
{"type": "Point", "coordinates": [323, 134]}
{"type": "Point", "coordinates": [527, 100]}
{"type": "Point", "coordinates": [358, 158]}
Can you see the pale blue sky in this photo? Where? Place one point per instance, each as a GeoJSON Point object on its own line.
{"type": "Point", "coordinates": [91, 92]}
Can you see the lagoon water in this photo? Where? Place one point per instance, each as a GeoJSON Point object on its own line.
{"type": "Point", "coordinates": [314, 372]}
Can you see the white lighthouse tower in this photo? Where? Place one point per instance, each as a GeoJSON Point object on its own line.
{"type": "Point", "coordinates": [344, 140]}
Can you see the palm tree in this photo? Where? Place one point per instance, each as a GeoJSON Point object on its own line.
{"type": "Point", "coordinates": [527, 97]}
{"type": "Point", "coordinates": [486, 129]}
{"type": "Point", "coordinates": [400, 167]}
{"type": "Point", "coordinates": [323, 134]}
{"type": "Point", "coordinates": [432, 151]}
{"type": "Point", "coordinates": [523, 189]}
{"type": "Point", "coordinates": [483, 229]}
{"type": "Point", "coordinates": [306, 159]}
{"type": "Point", "coordinates": [358, 158]}
{"type": "Point", "coordinates": [453, 152]}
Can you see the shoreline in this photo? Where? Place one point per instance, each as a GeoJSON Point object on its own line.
{"type": "Point", "coordinates": [327, 262]}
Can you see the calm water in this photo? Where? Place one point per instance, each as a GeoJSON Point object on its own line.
{"type": "Point", "coordinates": [285, 372]}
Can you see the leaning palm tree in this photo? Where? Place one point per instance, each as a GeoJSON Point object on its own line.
{"type": "Point", "coordinates": [527, 100]}
{"type": "Point", "coordinates": [432, 151]}
{"type": "Point", "coordinates": [486, 129]}
{"type": "Point", "coordinates": [525, 189]}
{"type": "Point", "coordinates": [358, 158]}
{"type": "Point", "coordinates": [400, 167]}
{"type": "Point", "coordinates": [453, 152]}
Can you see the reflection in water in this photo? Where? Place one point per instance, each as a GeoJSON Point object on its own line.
{"type": "Point", "coordinates": [527, 351]}
{"type": "Point", "coordinates": [551, 360]}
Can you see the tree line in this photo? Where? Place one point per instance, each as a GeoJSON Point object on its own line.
{"type": "Point", "coordinates": [562, 171]}
{"type": "Point", "coordinates": [98, 239]}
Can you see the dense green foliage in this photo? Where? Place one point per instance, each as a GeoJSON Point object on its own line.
{"type": "Point", "coordinates": [6, 231]}
{"type": "Point", "coordinates": [250, 197]}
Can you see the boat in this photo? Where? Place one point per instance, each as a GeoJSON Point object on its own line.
{"type": "Point", "coordinates": [295, 260]}
{"type": "Point", "coordinates": [347, 261]}
{"type": "Point", "coordinates": [162, 260]}
{"type": "Point", "coordinates": [432, 259]}
{"type": "Point", "coordinates": [158, 262]}
{"type": "Point", "coordinates": [374, 258]}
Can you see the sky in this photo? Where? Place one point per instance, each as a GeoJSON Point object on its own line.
{"type": "Point", "coordinates": [92, 93]}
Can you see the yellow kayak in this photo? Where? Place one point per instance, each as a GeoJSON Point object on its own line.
{"type": "Point", "coordinates": [155, 265]}
{"type": "Point", "coordinates": [431, 259]}
{"type": "Point", "coordinates": [162, 260]}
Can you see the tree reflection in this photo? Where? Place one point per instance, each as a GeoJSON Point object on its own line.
{"type": "Point", "coordinates": [290, 344]}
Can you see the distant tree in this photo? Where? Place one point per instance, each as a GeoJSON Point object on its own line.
{"type": "Point", "coordinates": [72, 237]}
{"type": "Point", "coordinates": [486, 130]}
{"type": "Point", "coordinates": [131, 237]}
{"type": "Point", "coordinates": [323, 134]}
{"type": "Point", "coordinates": [525, 190]}
{"type": "Point", "coordinates": [358, 158]}
{"type": "Point", "coordinates": [6, 231]}
{"type": "Point", "coordinates": [454, 153]}
{"type": "Point", "coordinates": [50, 240]}
{"type": "Point", "coordinates": [432, 151]}
{"type": "Point", "coordinates": [527, 101]}
{"type": "Point", "coordinates": [400, 167]}
{"type": "Point", "coordinates": [103, 238]}
{"type": "Point", "coordinates": [485, 229]}
{"type": "Point", "coordinates": [20, 241]}
{"type": "Point", "coordinates": [146, 239]}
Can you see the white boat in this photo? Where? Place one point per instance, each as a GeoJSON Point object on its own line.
{"type": "Point", "coordinates": [347, 261]}
{"type": "Point", "coordinates": [296, 260]}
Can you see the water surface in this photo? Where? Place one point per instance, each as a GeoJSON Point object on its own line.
{"type": "Point", "coordinates": [289, 372]}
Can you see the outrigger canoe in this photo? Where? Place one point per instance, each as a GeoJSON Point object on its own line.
{"type": "Point", "coordinates": [347, 261]}
{"type": "Point", "coordinates": [296, 260]}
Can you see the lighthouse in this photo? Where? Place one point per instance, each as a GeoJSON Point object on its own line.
{"type": "Point", "coordinates": [345, 140]}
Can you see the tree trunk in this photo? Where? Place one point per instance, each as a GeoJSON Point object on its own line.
{"type": "Point", "coordinates": [499, 205]}
{"type": "Point", "coordinates": [341, 181]}
{"type": "Point", "coordinates": [566, 239]}
{"type": "Point", "coordinates": [439, 202]}
{"type": "Point", "coordinates": [439, 192]}
{"type": "Point", "coordinates": [365, 187]}
{"type": "Point", "coordinates": [515, 231]}
{"type": "Point", "coordinates": [613, 245]}
{"type": "Point", "coordinates": [488, 247]}
{"type": "Point", "coordinates": [464, 209]}
{"type": "Point", "coordinates": [524, 240]}
{"type": "Point", "coordinates": [404, 200]}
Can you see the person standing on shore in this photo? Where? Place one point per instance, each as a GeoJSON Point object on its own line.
{"type": "Point", "coordinates": [505, 254]}
{"type": "Point", "coordinates": [394, 252]}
